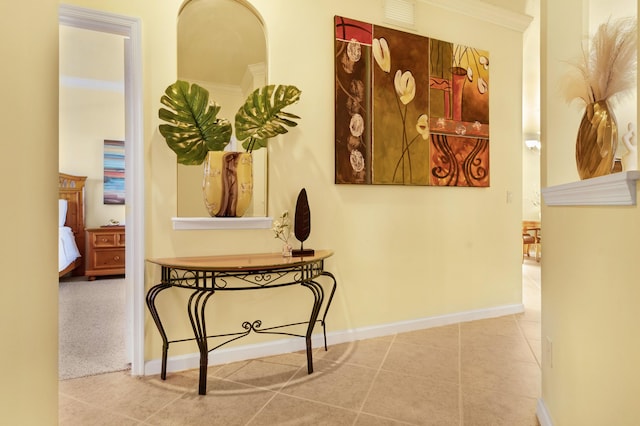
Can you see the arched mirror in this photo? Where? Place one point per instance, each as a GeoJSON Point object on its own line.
{"type": "Point", "coordinates": [221, 47]}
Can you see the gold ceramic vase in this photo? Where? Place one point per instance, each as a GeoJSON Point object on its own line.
{"type": "Point", "coordinates": [597, 141]}
{"type": "Point", "coordinates": [227, 186]}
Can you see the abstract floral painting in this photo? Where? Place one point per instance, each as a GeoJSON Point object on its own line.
{"type": "Point", "coordinates": [409, 110]}
{"type": "Point", "coordinates": [113, 172]}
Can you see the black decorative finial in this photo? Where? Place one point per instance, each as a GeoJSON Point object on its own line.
{"type": "Point", "coordinates": [302, 224]}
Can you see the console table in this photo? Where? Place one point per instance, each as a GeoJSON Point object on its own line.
{"type": "Point", "coordinates": [204, 276]}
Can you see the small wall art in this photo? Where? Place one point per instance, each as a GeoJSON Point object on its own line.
{"type": "Point", "coordinates": [409, 110]}
{"type": "Point", "coordinates": [113, 172]}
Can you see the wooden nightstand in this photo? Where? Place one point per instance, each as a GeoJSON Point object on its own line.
{"type": "Point", "coordinates": [105, 251]}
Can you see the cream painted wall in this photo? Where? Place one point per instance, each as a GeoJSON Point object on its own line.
{"type": "Point", "coordinates": [531, 114]}
{"type": "Point", "coordinates": [624, 107]}
{"type": "Point", "coordinates": [28, 168]}
{"type": "Point", "coordinates": [402, 253]}
{"type": "Point", "coordinates": [530, 184]}
{"type": "Point", "coordinates": [590, 373]}
{"type": "Point", "coordinates": [91, 110]}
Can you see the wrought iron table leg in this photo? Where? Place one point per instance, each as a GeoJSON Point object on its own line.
{"type": "Point", "coordinates": [151, 304]}
{"type": "Point", "coordinates": [326, 309]}
{"type": "Point", "coordinates": [196, 308]}
{"type": "Point", "coordinates": [318, 297]}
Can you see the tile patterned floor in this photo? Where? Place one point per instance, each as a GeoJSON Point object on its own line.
{"type": "Point", "coordinates": [476, 373]}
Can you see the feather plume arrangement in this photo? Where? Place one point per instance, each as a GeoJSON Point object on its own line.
{"type": "Point", "coordinates": [608, 68]}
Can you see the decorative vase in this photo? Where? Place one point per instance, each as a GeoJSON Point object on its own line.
{"type": "Point", "coordinates": [287, 250]}
{"type": "Point", "coordinates": [597, 141]}
{"type": "Point", "coordinates": [227, 186]}
{"type": "Point", "coordinates": [458, 77]}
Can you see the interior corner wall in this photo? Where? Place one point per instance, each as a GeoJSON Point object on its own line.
{"type": "Point", "coordinates": [402, 253]}
{"type": "Point", "coordinates": [28, 168]}
{"type": "Point", "coordinates": [590, 373]}
{"type": "Point", "coordinates": [531, 184]}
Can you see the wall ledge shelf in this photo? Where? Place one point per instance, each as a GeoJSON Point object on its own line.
{"type": "Point", "coordinates": [191, 223]}
{"type": "Point", "coordinates": [617, 189]}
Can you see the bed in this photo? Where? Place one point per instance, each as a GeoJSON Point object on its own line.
{"type": "Point", "coordinates": [71, 240]}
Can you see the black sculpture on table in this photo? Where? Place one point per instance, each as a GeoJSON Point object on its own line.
{"type": "Point", "coordinates": [302, 224]}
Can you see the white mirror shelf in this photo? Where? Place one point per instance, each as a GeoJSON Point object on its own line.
{"type": "Point", "coordinates": [617, 189]}
{"type": "Point", "coordinates": [190, 223]}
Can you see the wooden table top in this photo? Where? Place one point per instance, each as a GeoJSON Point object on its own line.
{"type": "Point", "coordinates": [240, 262]}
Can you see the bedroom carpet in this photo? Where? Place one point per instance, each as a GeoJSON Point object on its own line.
{"type": "Point", "coordinates": [92, 327]}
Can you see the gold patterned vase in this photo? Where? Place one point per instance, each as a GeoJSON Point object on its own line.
{"type": "Point", "coordinates": [597, 141]}
{"type": "Point", "coordinates": [228, 183]}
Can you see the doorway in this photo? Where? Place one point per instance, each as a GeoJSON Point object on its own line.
{"type": "Point", "coordinates": [129, 29]}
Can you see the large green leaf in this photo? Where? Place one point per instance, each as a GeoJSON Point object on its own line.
{"type": "Point", "coordinates": [262, 116]}
{"type": "Point", "coordinates": [193, 128]}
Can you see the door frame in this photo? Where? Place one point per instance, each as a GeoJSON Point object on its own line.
{"type": "Point", "coordinates": [130, 29]}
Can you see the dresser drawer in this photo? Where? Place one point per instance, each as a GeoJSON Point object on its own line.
{"type": "Point", "coordinates": [103, 239]}
{"type": "Point", "coordinates": [108, 259]}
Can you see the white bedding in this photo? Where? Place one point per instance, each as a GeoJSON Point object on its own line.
{"type": "Point", "coordinates": [63, 205]}
{"type": "Point", "coordinates": [67, 248]}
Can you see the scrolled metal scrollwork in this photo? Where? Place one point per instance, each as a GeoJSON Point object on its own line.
{"type": "Point", "coordinates": [231, 281]}
{"type": "Point", "coordinates": [266, 278]}
{"type": "Point", "coordinates": [183, 278]}
{"type": "Point", "coordinates": [249, 326]}
{"type": "Point", "coordinates": [220, 282]}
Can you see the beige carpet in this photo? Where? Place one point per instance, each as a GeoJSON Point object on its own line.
{"type": "Point", "coordinates": [92, 327]}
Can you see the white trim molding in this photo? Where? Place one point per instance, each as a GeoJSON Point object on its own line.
{"type": "Point", "coordinates": [283, 346]}
{"type": "Point", "coordinates": [543, 414]}
{"type": "Point", "coordinates": [193, 223]}
{"type": "Point", "coordinates": [617, 189]}
{"type": "Point", "coordinates": [130, 29]}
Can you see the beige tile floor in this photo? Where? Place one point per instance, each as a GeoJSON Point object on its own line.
{"type": "Point", "coordinates": [483, 372]}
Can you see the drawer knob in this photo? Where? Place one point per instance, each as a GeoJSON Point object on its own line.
{"type": "Point", "coordinates": [116, 257]}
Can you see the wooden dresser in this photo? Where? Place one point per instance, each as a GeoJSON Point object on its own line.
{"type": "Point", "coordinates": [105, 251]}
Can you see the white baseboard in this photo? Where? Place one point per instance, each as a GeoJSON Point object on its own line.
{"type": "Point", "coordinates": [282, 346]}
{"type": "Point", "coordinates": [543, 415]}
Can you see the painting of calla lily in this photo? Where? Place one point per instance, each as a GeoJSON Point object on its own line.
{"type": "Point", "coordinates": [405, 86]}
{"type": "Point", "coordinates": [409, 110]}
{"type": "Point", "coordinates": [381, 54]}
{"type": "Point", "coordinates": [400, 102]}
{"type": "Point", "coordinates": [422, 126]}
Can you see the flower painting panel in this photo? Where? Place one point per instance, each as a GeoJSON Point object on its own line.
{"type": "Point", "coordinates": [352, 101]}
{"type": "Point", "coordinates": [459, 115]}
{"type": "Point", "coordinates": [400, 108]}
{"type": "Point", "coordinates": [410, 110]}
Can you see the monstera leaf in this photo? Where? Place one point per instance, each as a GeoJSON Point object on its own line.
{"type": "Point", "coordinates": [262, 116]}
{"type": "Point", "coordinates": [194, 128]}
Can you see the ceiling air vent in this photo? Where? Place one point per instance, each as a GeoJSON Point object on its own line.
{"type": "Point", "coordinates": [400, 12]}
